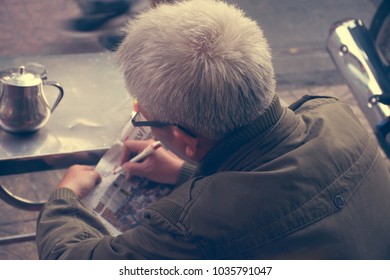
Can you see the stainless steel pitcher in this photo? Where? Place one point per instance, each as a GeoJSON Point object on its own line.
{"type": "Point", "coordinates": [23, 105]}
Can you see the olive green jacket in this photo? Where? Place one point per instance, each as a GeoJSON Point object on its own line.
{"type": "Point", "coordinates": [305, 182]}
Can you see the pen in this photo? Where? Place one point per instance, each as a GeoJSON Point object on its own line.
{"type": "Point", "coordinates": [142, 155]}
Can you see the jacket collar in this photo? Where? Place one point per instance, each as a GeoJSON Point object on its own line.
{"type": "Point", "coordinates": [239, 137]}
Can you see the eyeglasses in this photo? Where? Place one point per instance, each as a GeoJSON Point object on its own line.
{"type": "Point", "coordinates": [139, 120]}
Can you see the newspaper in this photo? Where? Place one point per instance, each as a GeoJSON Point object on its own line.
{"type": "Point", "coordinates": [118, 203]}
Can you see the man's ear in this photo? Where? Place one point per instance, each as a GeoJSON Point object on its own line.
{"type": "Point", "coordinates": [189, 144]}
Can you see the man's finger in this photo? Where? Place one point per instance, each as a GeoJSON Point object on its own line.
{"type": "Point", "coordinates": [131, 148]}
{"type": "Point", "coordinates": [135, 169]}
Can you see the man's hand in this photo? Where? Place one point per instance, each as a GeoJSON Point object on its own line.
{"type": "Point", "coordinates": [162, 166]}
{"type": "Point", "coordinates": [81, 179]}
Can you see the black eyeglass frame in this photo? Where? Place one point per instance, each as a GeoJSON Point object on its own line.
{"type": "Point", "coordinates": [158, 124]}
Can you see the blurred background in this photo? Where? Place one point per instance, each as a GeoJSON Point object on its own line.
{"type": "Point", "coordinates": [296, 29]}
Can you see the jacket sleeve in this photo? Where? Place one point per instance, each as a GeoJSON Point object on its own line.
{"type": "Point", "coordinates": [68, 230]}
{"type": "Point", "coordinates": [186, 172]}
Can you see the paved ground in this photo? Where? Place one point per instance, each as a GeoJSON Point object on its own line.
{"type": "Point", "coordinates": [32, 27]}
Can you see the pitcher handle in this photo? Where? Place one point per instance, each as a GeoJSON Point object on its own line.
{"type": "Point", "coordinates": [60, 95]}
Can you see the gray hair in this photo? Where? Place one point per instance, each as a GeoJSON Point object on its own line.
{"type": "Point", "coordinates": [200, 63]}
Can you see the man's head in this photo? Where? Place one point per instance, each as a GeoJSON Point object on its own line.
{"type": "Point", "coordinates": [201, 64]}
